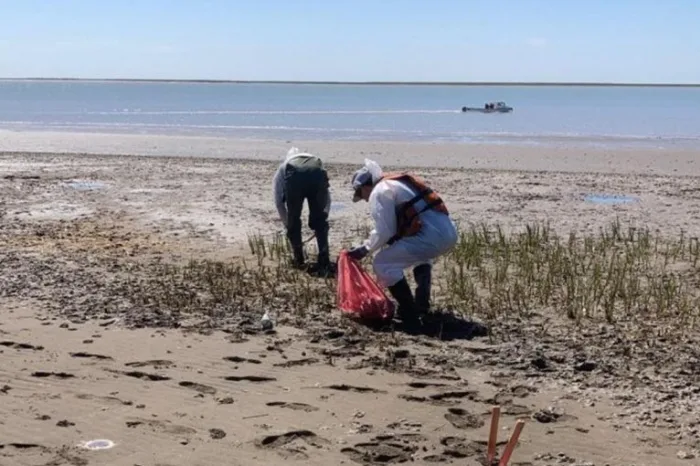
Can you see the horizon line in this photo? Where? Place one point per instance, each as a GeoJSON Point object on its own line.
{"type": "Point", "coordinates": [364, 83]}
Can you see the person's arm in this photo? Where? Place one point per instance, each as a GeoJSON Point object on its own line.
{"type": "Point", "coordinates": [278, 192]}
{"type": "Point", "coordinates": [327, 209]}
{"type": "Point", "coordinates": [383, 211]}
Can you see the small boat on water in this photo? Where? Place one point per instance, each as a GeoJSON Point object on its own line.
{"type": "Point", "coordinates": [490, 107]}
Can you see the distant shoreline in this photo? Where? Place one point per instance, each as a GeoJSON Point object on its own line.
{"type": "Point", "coordinates": [354, 83]}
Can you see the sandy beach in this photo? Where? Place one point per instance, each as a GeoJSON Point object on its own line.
{"type": "Point", "coordinates": [86, 221]}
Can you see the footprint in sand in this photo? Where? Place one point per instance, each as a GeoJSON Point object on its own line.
{"type": "Point", "coordinates": [217, 434]}
{"type": "Point", "coordinates": [57, 375]}
{"type": "Point", "coordinates": [249, 378]}
{"type": "Point", "coordinates": [419, 384]}
{"type": "Point", "coordinates": [287, 444]}
{"type": "Point", "coordinates": [342, 352]}
{"type": "Point", "coordinates": [146, 376]}
{"type": "Point", "coordinates": [352, 388]}
{"type": "Point", "coordinates": [82, 354]}
{"type": "Point", "coordinates": [198, 387]}
{"type": "Point", "coordinates": [239, 359]}
{"type": "Point", "coordinates": [385, 449]}
{"type": "Point", "coordinates": [550, 415]}
{"type": "Point", "coordinates": [166, 427]}
{"type": "Point", "coordinates": [425, 399]}
{"type": "Point", "coordinates": [515, 410]}
{"type": "Point", "coordinates": [446, 398]}
{"type": "Point", "coordinates": [12, 344]}
{"type": "Point", "coordinates": [155, 363]}
{"type": "Point", "coordinates": [506, 396]}
{"type": "Point", "coordinates": [458, 394]}
{"type": "Point", "coordinates": [408, 437]}
{"type": "Point", "coordinates": [104, 399]}
{"type": "Point", "coordinates": [296, 362]}
{"type": "Point", "coordinates": [456, 448]}
{"type": "Point", "coordinates": [30, 451]}
{"type": "Point", "coordinates": [22, 446]}
{"type": "Point", "coordinates": [293, 406]}
{"type": "Point", "coordinates": [521, 391]}
{"type": "Point", "coordinates": [463, 419]}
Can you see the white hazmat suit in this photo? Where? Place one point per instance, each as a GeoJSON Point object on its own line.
{"type": "Point", "coordinates": [437, 236]}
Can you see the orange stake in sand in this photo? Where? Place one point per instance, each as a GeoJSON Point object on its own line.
{"type": "Point", "coordinates": [511, 443]}
{"type": "Point", "coordinates": [493, 435]}
{"type": "Point", "coordinates": [493, 439]}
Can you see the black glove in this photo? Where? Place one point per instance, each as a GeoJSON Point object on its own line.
{"type": "Point", "coordinates": [358, 252]}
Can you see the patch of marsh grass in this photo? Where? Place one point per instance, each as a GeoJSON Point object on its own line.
{"type": "Point", "coordinates": [226, 288]}
{"type": "Point", "coordinates": [618, 273]}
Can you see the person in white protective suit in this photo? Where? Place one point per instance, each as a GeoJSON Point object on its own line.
{"type": "Point", "coordinates": [412, 228]}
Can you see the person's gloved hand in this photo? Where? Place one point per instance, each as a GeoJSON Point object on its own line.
{"type": "Point", "coordinates": [358, 252]}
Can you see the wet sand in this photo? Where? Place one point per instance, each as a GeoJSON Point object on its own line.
{"type": "Point", "coordinates": [570, 156]}
{"type": "Point", "coordinates": [81, 363]}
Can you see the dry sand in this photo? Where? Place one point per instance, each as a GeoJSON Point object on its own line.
{"type": "Point", "coordinates": [73, 368]}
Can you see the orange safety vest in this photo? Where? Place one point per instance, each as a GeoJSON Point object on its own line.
{"type": "Point", "coordinates": [408, 221]}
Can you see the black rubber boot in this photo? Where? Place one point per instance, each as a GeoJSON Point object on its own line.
{"type": "Point", "coordinates": [401, 292]}
{"type": "Point", "coordinates": [322, 243]}
{"type": "Point", "coordinates": [423, 276]}
{"type": "Point", "coordinates": [298, 259]}
{"type": "Point", "coordinates": [323, 266]}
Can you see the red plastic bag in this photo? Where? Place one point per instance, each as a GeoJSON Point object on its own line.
{"type": "Point", "coordinates": [359, 295]}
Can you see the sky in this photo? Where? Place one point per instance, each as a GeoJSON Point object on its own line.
{"type": "Point", "coordinates": [632, 41]}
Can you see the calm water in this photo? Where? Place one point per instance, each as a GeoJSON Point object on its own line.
{"type": "Point", "coordinates": [660, 117]}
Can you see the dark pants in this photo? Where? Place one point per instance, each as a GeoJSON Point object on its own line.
{"type": "Point", "coordinates": [306, 179]}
